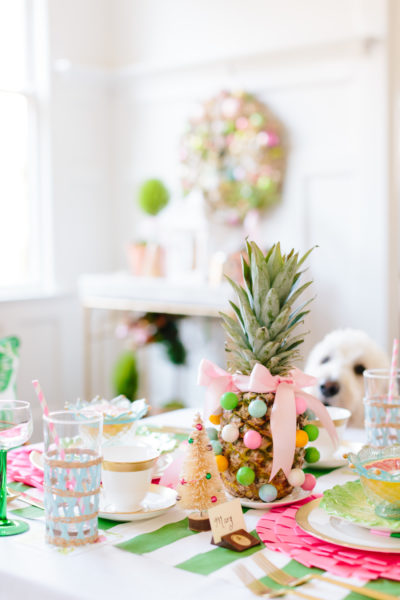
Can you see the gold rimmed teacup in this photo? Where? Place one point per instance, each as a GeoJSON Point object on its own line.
{"type": "Point", "coordinates": [126, 475]}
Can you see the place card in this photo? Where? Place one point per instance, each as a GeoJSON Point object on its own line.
{"type": "Point", "coordinates": [228, 527]}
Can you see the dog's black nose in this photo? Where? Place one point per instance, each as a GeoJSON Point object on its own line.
{"type": "Point", "coordinates": [329, 388]}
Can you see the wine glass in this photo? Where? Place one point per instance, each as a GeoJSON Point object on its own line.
{"type": "Point", "coordinates": [16, 427]}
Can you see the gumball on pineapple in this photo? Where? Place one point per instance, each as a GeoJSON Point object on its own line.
{"type": "Point", "coordinates": [312, 431]}
{"type": "Point", "coordinates": [268, 492]}
{"type": "Point", "coordinates": [296, 477]}
{"type": "Point", "coordinates": [230, 433]}
{"type": "Point", "coordinates": [229, 401]}
{"type": "Point", "coordinates": [245, 476]}
{"type": "Point", "coordinates": [257, 408]}
{"type": "Point", "coordinates": [252, 439]}
{"type": "Point", "coordinates": [212, 433]}
{"type": "Point", "coordinates": [309, 482]}
{"type": "Point", "coordinates": [215, 419]}
{"type": "Point", "coordinates": [222, 463]}
{"type": "Point", "coordinates": [301, 405]}
{"type": "Point", "coordinates": [216, 446]}
{"type": "Point", "coordinates": [312, 455]}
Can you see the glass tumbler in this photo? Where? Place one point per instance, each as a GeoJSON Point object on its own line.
{"type": "Point", "coordinates": [382, 415]}
{"type": "Point", "coordinates": [72, 468]}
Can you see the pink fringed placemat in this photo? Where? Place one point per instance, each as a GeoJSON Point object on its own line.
{"type": "Point", "coordinates": [279, 531]}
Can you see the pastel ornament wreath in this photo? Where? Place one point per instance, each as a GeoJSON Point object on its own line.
{"type": "Point", "coordinates": [233, 153]}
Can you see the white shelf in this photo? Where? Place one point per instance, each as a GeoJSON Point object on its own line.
{"type": "Point", "coordinates": [121, 291]}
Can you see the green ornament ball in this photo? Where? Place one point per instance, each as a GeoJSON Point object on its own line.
{"type": "Point", "coordinates": [257, 408]}
{"type": "Point", "coordinates": [212, 433]}
{"type": "Point", "coordinates": [216, 446]}
{"type": "Point", "coordinates": [312, 455]}
{"type": "Point", "coordinates": [208, 475]}
{"type": "Point", "coordinates": [153, 196]}
{"type": "Point", "coordinates": [312, 432]}
{"type": "Point", "coordinates": [245, 476]}
{"type": "Point", "coordinates": [190, 440]}
{"type": "Point", "coordinates": [229, 401]}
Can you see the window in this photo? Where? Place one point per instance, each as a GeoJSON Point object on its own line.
{"type": "Point", "coordinates": [20, 264]}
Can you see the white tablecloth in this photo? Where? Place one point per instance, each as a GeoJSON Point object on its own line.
{"type": "Point", "coordinates": [106, 572]}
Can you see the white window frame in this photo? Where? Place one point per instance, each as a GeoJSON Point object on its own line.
{"type": "Point", "coordinates": [36, 90]}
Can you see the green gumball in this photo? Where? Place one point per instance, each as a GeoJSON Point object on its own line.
{"type": "Point", "coordinates": [229, 401]}
{"type": "Point", "coordinates": [245, 476]}
{"type": "Point", "coordinates": [312, 455]}
{"type": "Point", "coordinates": [312, 432]}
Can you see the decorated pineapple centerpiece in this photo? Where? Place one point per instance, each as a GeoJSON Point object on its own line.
{"type": "Point", "coordinates": [200, 485]}
{"type": "Point", "coordinates": [259, 403]}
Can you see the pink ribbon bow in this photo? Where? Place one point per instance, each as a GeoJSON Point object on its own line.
{"type": "Point", "coordinates": [283, 414]}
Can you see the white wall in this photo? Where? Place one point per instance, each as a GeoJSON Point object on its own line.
{"type": "Point", "coordinates": [323, 68]}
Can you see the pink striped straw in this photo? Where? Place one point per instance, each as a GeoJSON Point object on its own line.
{"type": "Point", "coordinates": [45, 410]}
{"type": "Point", "coordinates": [393, 369]}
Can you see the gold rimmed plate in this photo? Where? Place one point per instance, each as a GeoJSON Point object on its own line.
{"type": "Point", "coordinates": [158, 500]}
{"type": "Point", "coordinates": [314, 520]}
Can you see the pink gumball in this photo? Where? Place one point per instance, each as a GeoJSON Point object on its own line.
{"type": "Point", "coordinates": [309, 482]}
{"type": "Point", "coordinates": [252, 439]}
{"type": "Point", "coordinates": [301, 405]}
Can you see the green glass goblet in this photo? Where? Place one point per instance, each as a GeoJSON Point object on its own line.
{"type": "Point", "coordinates": [16, 428]}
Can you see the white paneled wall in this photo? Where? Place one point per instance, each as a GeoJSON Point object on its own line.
{"type": "Point", "coordinates": [126, 76]}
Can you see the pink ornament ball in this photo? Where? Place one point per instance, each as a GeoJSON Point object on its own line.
{"type": "Point", "coordinates": [252, 440]}
{"type": "Point", "coordinates": [301, 405]}
{"type": "Point", "coordinates": [309, 482]}
{"type": "Point", "coordinates": [199, 426]}
{"type": "Point", "coordinates": [213, 498]}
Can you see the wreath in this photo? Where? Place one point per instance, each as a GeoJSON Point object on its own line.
{"type": "Point", "coordinates": [233, 153]}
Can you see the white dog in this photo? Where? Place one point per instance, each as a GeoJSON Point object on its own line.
{"type": "Point", "coordinates": [338, 362]}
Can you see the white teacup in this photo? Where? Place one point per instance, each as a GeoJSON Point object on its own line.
{"type": "Point", "coordinates": [126, 475]}
{"type": "Point", "coordinates": [340, 417]}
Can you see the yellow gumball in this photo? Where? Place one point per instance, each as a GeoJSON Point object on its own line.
{"type": "Point", "coordinates": [215, 419]}
{"type": "Point", "coordinates": [222, 462]}
{"type": "Point", "coordinates": [301, 438]}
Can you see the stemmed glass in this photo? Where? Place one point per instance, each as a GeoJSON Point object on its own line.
{"type": "Point", "coordinates": [16, 427]}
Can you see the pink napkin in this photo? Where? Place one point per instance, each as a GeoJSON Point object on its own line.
{"type": "Point", "coordinates": [279, 531]}
{"type": "Point", "coordinates": [20, 468]}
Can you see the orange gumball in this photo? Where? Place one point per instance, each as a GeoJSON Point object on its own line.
{"type": "Point", "coordinates": [215, 419]}
{"type": "Point", "coordinates": [301, 438]}
{"type": "Point", "coordinates": [222, 462]}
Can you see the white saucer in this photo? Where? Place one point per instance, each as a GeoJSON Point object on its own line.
{"type": "Point", "coordinates": [295, 496]}
{"type": "Point", "coordinates": [163, 462]}
{"type": "Point", "coordinates": [158, 500]}
{"type": "Point", "coordinates": [337, 460]}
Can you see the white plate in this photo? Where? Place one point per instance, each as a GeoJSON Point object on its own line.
{"type": "Point", "coordinates": [295, 496]}
{"type": "Point", "coordinates": [163, 462]}
{"type": "Point", "coordinates": [318, 523]}
{"type": "Point", "coordinates": [157, 501]}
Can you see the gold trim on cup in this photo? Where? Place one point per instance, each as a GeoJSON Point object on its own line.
{"type": "Point", "coordinates": [336, 422]}
{"type": "Point", "coordinates": [128, 467]}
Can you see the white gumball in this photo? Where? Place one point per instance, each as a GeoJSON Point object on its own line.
{"type": "Point", "coordinates": [230, 433]}
{"type": "Point", "coordinates": [296, 477]}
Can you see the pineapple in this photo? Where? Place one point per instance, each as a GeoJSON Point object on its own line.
{"type": "Point", "coordinates": [262, 333]}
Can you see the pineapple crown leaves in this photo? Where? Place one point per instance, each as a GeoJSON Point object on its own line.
{"type": "Point", "coordinates": [266, 316]}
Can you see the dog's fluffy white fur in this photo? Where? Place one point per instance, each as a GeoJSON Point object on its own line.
{"type": "Point", "coordinates": [337, 362]}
